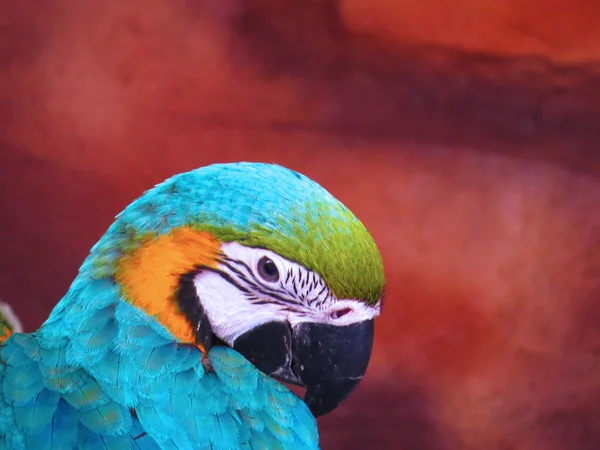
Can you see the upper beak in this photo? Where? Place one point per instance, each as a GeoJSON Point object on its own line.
{"type": "Point", "coordinates": [328, 360]}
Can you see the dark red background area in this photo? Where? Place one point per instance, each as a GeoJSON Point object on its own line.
{"type": "Point", "coordinates": [464, 137]}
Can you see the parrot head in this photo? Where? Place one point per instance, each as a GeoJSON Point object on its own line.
{"type": "Point", "coordinates": [259, 258]}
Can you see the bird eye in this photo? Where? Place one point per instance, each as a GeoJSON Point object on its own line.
{"type": "Point", "coordinates": [267, 269]}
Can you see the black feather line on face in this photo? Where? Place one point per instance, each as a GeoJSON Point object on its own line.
{"type": "Point", "coordinates": [254, 283]}
{"type": "Point", "coordinates": [190, 305]}
{"type": "Point", "coordinates": [303, 279]}
{"type": "Point", "coordinates": [302, 283]}
{"type": "Point", "coordinates": [229, 279]}
{"type": "Point", "coordinates": [316, 300]}
{"type": "Point", "coordinates": [321, 291]}
{"type": "Point", "coordinates": [228, 262]}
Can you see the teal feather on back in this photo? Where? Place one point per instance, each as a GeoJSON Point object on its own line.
{"type": "Point", "coordinates": [149, 395]}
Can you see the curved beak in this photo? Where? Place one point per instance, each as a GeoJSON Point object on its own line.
{"type": "Point", "coordinates": [328, 360]}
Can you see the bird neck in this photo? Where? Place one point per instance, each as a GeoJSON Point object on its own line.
{"type": "Point", "coordinates": [146, 277]}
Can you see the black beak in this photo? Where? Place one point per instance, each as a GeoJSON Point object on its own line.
{"type": "Point", "coordinates": [329, 361]}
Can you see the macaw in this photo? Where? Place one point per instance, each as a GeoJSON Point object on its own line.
{"type": "Point", "coordinates": [204, 295]}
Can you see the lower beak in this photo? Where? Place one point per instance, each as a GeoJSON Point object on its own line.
{"type": "Point", "coordinates": [328, 360]}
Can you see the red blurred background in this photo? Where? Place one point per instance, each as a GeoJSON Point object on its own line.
{"type": "Point", "coordinates": [464, 134]}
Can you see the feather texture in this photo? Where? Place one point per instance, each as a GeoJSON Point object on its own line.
{"type": "Point", "coordinates": [152, 394]}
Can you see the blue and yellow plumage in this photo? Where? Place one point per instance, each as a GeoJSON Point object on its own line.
{"type": "Point", "coordinates": [127, 360]}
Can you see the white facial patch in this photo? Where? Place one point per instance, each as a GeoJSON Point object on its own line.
{"type": "Point", "coordinates": [229, 311]}
{"type": "Point", "coordinates": [238, 298]}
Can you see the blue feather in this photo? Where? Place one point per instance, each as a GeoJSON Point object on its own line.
{"type": "Point", "coordinates": [54, 331]}
{"type": "Point", "coordinates": [114, 370]}
{"type": "Point", "coordinates": [87, 395]}
{"type": "Point", "coordinates": [124, 395]}
{"type": "Point", "coordinates": [264, 441]}
{"type": "Point", "coordinates": [23, 376]}
{"type": "Point", "coordinates": [99, 294]}
{"type": "Point", "coordinates": [90, 440]}
{"type": "Point", "coordinates": [96, 344]}
{"type": "Point", "coordinates": [61, 432]}
{"type": "Point", "coordinates": [54, 357]}
{"type": "Point", "coordinates": [179, 441]}
{"type": "Point", "coordinates": [15, 441]}
{"type": "Point", "coordinates": [128, 315]}
{"type": "Point", "coordinates": [35, 416]}
{"type": "Point", "coordinates": [231, 368]}
{"type": "Point", "coordinates": [109, 419]}
{"type": "Point", "coordinates": [139, 336]}
{"type": "Point", "coordinates": [6, 417]}
{"type": "Point", "coordinates": [97, 319]}
{"type": "Point", "coordinates": [226, 432]}
{"type": "Point", "coordinates": [28, 344]}
{"type": "Point", "coordinates": [281, 429]}
{"type": "Point", "coordinates": [156, 422]}
{"type": "Point", "coordinates": [20, 395]}
{"type": "Point", "coordinates": [155, 389]}
{"type": "Point", "coordinates": [101, 316]}
{"type": "Point", "coordinates": [156, 360]}
{"type": "Point", "coordinates": [183, 384]}
{"type": "Point", "coordinates": [252, 420]}
{"type": "Point", "coordinates": [305, 425]}
{"type": "Point", "coordinates": [203, 429]}
{"type": "Point", "coordinates": [14, 355]}
{"type": "Point", "coordinates": [140, 440]}
{"type": "Point", "coordinates": [180, 404]}
{"type": "Point", "coordinates": [188, 357]}
{"type": "Point", "coordinates": [63, 381]}
{"type": "Point", "coordinates": [209, 396]}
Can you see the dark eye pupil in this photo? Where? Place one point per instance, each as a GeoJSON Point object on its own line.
{"type": "Point", "coordinates": [267, 269]}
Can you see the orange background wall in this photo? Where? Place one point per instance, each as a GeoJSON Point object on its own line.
{"type": "Point", "coordinates": [463, 136]}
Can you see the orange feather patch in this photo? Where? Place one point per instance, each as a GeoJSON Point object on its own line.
{"type": "Point", "coordinates": [5, 333]}
{"type": "Point", "coordinates": [149, 275]}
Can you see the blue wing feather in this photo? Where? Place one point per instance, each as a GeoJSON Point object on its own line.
{"type": "Point", "coordinates": [61, 431]}
{"type": "Point", "coordinates": [20, 395]}
{"type": "Point", "coordinates": [34, 417]}
{"type": "Point", "coordinates": [109, 419]}
{"type": "Point", "coordinates": [156, 421]}
{"type": "Point", "coordinates": [14, 356]}
{"type": "Point", "coordinates": [137, 388]}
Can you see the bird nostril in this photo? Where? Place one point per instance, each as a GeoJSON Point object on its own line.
{"type": "Point", "coordinates": [340, 312]}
